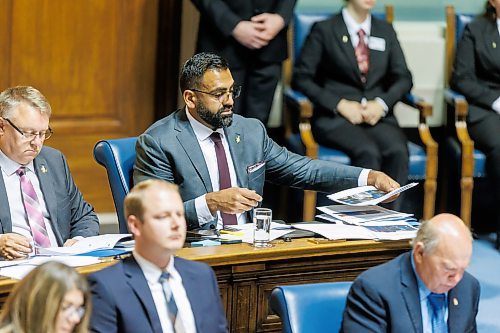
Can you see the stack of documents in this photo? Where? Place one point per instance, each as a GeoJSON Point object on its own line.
{"type": "Point", "coordinates": [93, 246]}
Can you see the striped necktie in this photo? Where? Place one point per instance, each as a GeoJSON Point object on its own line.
{"type": "Point", "coordinates": [171, 305]}
{"type": "Point", "coordinates": [33, 210]}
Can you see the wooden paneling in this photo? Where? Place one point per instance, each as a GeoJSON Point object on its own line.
{"type": "Point", "coordinates": [95, 61]}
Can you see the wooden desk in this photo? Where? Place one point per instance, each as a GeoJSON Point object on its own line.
{"type": "Point", "coordinates": [247, 275]}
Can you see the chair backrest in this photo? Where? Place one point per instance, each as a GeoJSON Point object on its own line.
{"type": "Point", "coordinates": [118, 156]}
{"type": "Point", "coordinates": [455, 24]}
{"type": "Point", "coordinates": [310, 308]}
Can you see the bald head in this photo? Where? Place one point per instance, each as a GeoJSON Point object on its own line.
{"type": "Point", "coordinates": [442, 251]}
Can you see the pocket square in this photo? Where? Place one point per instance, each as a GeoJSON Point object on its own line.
{"type": "Point", "coordinates": [255, 167]}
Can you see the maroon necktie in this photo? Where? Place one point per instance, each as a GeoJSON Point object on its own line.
{"type": "Point", "coordinates": [361, 51]}
{"type": "Point", "coordinates": [224, 178]}
{"type": "Point", "coordinates": [33, 210]}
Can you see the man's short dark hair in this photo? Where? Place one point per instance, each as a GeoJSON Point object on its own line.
{"type": "Point", "coordinates": [195, 67]}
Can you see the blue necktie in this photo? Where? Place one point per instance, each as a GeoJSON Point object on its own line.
{"type": "Point", "coordinates": [171, 305]}
{"type": "Point", "coordinates": [437, 305]}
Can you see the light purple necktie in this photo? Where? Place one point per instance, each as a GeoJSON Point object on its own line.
{"type": "Point", "coordinates": [224, 177]}
{"type": "Point", "coordinates": [33, 210]}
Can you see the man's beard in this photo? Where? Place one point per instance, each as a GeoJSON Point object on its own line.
{"type": "Point", "coordinates": [215, 120]}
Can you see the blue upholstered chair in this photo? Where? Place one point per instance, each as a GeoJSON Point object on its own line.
{"type": "Point", "coordinates": [460, 146]}
{"type": "Point", "coordinates": [118, 156]}
{"type": "Point", "coordinates": [423, 162]}
{"type": "Point", "coordinates": [309, 308]}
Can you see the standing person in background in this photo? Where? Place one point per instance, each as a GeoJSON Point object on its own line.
{"type": "Point", "coordinates": [251, 36]}
{"type": "Point", "coordinates": [476, 75]}
{"type": "Point", "coordinates": [353, 69]}
{"type": "Point", "coordinates": [42, 206]}
{"type": "Point", "coordinates": [51, 298]}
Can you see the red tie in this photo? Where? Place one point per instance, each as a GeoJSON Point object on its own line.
{"type": "Point", "coordinates": [362, 55]}
{"type": "Point", "coordinates": [224, 178]}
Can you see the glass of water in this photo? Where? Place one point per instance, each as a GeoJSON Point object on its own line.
{"type": "Point", "coordinates": [262, 218]}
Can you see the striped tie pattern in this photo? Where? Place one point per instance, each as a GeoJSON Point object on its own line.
{"type": "Point", "coordinates": [33, 210]}
{"type": "Point", "coordinates": [171, 305]}
{"type": "Point", "coordinates": [437, 305]}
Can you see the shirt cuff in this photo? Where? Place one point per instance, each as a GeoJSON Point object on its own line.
{"type": "Point", "coordinates": [204, 215]}
{"type": "Point", "coordinates": [363, 177]}
{"type": "Point", "coordinates": [384, 105]}
{"type": "Point", "coordinates": [78, 238]}
{"type": "Point", "coordinates": [496, 105]}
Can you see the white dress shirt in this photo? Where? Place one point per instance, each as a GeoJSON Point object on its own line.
{"type": "Point", "coordinates": [18, 216]}
{"type": "Point", "coordinates": [352, 28]}
{"type": "Point", "coordinates": [185, 312]}
{"type": "Point", "coordinates": [207, 147]}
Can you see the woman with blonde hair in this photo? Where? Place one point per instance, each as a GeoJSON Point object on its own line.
{"type": "Point", "coordinates": [53, 298]}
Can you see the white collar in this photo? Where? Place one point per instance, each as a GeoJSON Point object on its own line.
{"type": "Point", "coordinates": [353, 26]}
{"type": "Point", "coordinates": [201, 131]}
{"type": "Point", "coordinates": [152, 272]}
{"type": "Point", "coordinates": [10, 167]}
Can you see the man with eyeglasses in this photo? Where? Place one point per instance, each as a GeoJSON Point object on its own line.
{"type": "Point", "coordinates": [40, 205]}
{"type": "Point", "coordinates": [220, 160]}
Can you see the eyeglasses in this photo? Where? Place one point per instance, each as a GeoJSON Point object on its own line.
{"type": "Point", "coordinates": [29, 136]}
{"type": "Point", "coordinates": [70, 310]}
{"type": "Point", "coordinates": [223, 96]}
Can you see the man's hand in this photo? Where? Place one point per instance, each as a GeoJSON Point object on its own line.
{"type": "Point", "coordinates": [351, 110]}
{"type": "Point", "coordinates": [14, 246]}
{"type": "Point", "coordinates": [269, 24]}
{"type": "Point", "coordinates": [232, 200]}
{"type": "Point", "coordinates": [250, 34]}
{"type": "Point", "coordinates": [70, 242]}
{"type": "Point", "coordinates": [372, 112]}
{"type": "Point", "coordinates": [383, 182]}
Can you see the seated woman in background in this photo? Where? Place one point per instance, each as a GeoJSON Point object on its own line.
{"type": "Point", "coordinates": [353, 69]}
{"type": "Point", "coordinates": [476, 75]}
{"type": "Point", "coordinates": [52, 298]}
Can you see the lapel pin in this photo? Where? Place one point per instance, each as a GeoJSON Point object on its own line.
{"type": "Point", "coordinates": [455, 301]}
{"type": "Point", "coordinates": [345, 39]}
{"type": "Point", "coordinates": [494, 45]}
{"type": "Point", "coordinates": [43, 169]}
{"type": "Point", "coordinates": [237, 139]}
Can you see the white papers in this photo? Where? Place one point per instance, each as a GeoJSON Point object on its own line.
{"type": "Point", "coordinates": [365, 195]}
{"type": "Point", "coordinates": [362, 214]}
{"type": "Point", "coordinates": [245, 233]}
{"type": "Point", "coordinates": [85, 245]}
{"type": "Point", "coordinates": [19, 269]}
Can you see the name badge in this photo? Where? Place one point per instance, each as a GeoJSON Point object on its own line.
{"type": "Point", "coordinates": [376, 43]}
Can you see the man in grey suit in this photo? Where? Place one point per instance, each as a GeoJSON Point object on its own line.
{"type": "Point", "coordinates": [220, 161]}
{"type": "Point", "coordinates": [40, 205]}
{"type": "Point", "coordinates": [425, 290]}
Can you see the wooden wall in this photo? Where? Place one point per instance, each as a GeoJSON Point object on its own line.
{"type": "Point", "coordinates": [96, 62]}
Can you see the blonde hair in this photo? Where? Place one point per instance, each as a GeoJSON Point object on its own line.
{"type": "Point", "coordinates": [35, 302]}
{"type": "Point", "coordinates": [12, 97]}
{"type": "Point", "coordinates": [134, 199]}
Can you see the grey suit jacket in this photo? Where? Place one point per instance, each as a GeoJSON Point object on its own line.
{"type": "Point", "coordinates": [386, 299]}
{"type": "Point", "coordinates": [70, 214]}
{"type": "Point", "coordinates": [169, 150]}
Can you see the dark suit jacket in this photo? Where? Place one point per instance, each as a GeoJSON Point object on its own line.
{"type": "Point", "coordinates": [70, 214]}
{"type": "Point", "coordinates": [327, 70]}
{"type": "Point", "coordinates": [169, 150]}
{"type": "Point", "coordinates": [122, 301]}
{"type": "Point", "coordinates": [386, 299]}
{"type": "Point", "coordinates": [218, 19]}
{"type": "Point", "coordinates": [476, 73]}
